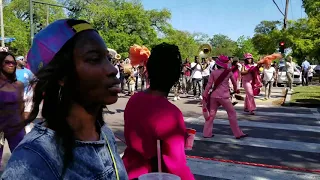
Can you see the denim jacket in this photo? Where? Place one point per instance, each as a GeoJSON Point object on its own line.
{"type": "Point", "coordinates": [38, 157]}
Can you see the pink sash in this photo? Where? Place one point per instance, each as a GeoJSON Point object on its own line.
{"type": "Point", "coordinates": [256, 80]}
{"type": "Point", "coordinates": [206, 101]}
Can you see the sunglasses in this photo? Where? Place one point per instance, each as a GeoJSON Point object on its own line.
{"type": "Point", "coordinates": [7, 62]}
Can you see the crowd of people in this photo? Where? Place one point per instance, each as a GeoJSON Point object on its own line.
{"type": "Point", "coordinates": [73, 78]}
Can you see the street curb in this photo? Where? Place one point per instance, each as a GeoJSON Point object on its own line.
{"type": "Point", "coordinates": [288, 103]}
{"type": "Point", "coordinates": [307, 105]}
{"type": "Point", "coordinates": [287, 98]}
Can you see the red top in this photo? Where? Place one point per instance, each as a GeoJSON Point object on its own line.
{"type": "Point", "coordinates": [187, 71]}
{"type": "Point", "coordinates": [149, 118]}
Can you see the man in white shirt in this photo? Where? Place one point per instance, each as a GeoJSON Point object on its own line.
{"type": "Point", "coordinates": [205, 73]}
{"type": "Point", "coordinates": [268, 77]}
{"type": "Point", "coordinates": [196, 77]}
{"type": "Point", "coordinates": [290, 67]}
{"type": "Point", "coordinates": [211, 64]}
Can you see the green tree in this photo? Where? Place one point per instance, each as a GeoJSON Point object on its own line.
{"type": "Point", "coordinates": [16, 21]}
{"type": "Point", "coordinates": [312, 7]}
{"type": "Point", "coordinates": [187, 45]}
{"type": "Point", "coordinates": [267, 37]}
{"type": "Point", "coordinates": [17, 29]}
{"type": "Point", "coordinates": [201, 38]}
{"type": "Point", "coordinates": [245, 45]}
{"type": "Point", "coordinates": [123, 23]}
{"type": "Point", "coordinates": [222, 44]}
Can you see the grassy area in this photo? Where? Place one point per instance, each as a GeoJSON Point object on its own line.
{"type": "Point", "coordinates": [306, 94]}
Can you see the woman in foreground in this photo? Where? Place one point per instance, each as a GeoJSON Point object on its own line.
{"type": "Point", "coordinates": [149, 117]}
{"type": "Point", "coordinates": [11, 102]}
{"type": "Point", "coordinates": [75, 81]}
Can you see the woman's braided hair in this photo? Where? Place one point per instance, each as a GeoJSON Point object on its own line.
{"type": "Point", "coordinates": [164, 66]}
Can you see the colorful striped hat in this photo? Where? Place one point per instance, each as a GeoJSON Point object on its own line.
{"type": "Point", "coordinates": [48, 42]}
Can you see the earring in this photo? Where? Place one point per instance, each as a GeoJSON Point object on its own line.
{"type": "Point", "coordinates": [60, 93]}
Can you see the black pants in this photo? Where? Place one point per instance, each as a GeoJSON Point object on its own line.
{"type": "Point", "coordinates": [305, 80]}
{"type": "Point", "coordinates": [205, 81]}
{"type": "Point", "coordinates": [197, 82]}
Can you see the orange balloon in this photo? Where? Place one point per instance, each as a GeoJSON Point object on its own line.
{"type": "Point", "coordinates": [138, 55]}
{"type": "Point", "coordinates": [268, 59]}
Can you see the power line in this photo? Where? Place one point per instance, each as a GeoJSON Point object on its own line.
{"type": "Point", "coordinates": [282, 4]}
{"type": "Point", "coordinates": [301, 10]}
{"type": "Point", "coordinates": [278, 7]}
{"type": "Point", "coordinates": [291, 10]}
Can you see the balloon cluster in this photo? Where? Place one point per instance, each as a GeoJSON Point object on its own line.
{"type": "Point", "coordinates": [268, 59]}
{"type": "Point", "coordinates": [139, 55]}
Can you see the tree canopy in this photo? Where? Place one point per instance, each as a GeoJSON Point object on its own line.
{"type": "Point", "coordinates": [122, 23]}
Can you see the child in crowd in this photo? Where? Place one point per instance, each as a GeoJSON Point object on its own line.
{"type": "Point", "coordinates": [132, 83]}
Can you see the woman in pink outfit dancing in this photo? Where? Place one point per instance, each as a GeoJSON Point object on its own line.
{"type": "Point", "coordinates": [247, 77]}
{"type": "Point", "coordinates": [220, 96]}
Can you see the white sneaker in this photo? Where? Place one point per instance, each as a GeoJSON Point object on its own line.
{"type": "Point", "coordinates": [200, 97]}
{"type": "Point", "coordinates": [178, 97]}
{"type": "Point", "coordinates": [175, 98]}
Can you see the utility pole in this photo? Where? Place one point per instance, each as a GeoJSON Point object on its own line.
{"type": "Point", "coordinates": [32, 28]}
{"type": "Point", "coordinates": [2, 24]}
{"type": "Point", "coordinates": [31, 20]}
{"type": "Point", "coordinates": [285, 20]}
{"type": "Point", "coordinates": [48, 11]}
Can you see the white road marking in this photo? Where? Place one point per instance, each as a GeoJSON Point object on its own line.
{"type": "Point", "coordinates": [315, 112]}
{"type": "Point", "coordinates": [264, 143]}
{"type": "Point", "coordinates": [244, 172]}
{"type": "Point", "coordinates": [273, 106]}
{"type": "Point", "coordinates": [292, 127]}
{"type": "Point", "coordinates": [277, 114]}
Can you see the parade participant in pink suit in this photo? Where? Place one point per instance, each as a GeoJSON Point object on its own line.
{"type": "Point", "coordinates": [149, 117]}
{"type": "Point", "coordinates": [220, 96]}
{"type": "Point", "coordinates": [247, 77]}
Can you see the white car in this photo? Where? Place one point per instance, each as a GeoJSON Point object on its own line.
{"type": "Point", "coordinates": [282, 76]}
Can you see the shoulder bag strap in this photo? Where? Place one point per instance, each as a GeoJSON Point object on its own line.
{"type": "Point", "coordinates": [222, 76]}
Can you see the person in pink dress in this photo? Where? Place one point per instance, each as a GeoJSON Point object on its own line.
{"type": "Point", "coordinates": [149, 117]}
{"type": "Point", "coordinates": [220, 96]}
{"type": "Point", "coordinates": [235, 68]}
{"type": "Point", "coordinates": [247, 77]}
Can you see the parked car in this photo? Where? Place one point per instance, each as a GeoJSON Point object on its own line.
{"type": "Point", "coordinates": [282, 76]}
{"type": "Point", "coordinates": [317, 70]}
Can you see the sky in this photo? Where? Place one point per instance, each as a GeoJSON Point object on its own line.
{"type": "Point", "coordinates": [229, 17]}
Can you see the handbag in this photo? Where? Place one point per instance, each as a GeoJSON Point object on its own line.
{"type": "Point", "coordinates": [206, 102]}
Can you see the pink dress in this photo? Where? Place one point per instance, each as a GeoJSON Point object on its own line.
{"type": "Point", "coordinates": [235, 71]}
{"type": "Point", "coordinates": [148, 118]}
{"type": "Point", "coordinates": [221, 97]}
{"type": "Point", "coordinates": [249, 103]}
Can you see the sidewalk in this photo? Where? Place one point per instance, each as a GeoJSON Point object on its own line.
{"type": "Point", "coordinates": [277, 97]}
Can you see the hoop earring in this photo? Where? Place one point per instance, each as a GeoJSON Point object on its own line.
{"type": "Point", "coordinates": [60, 93]}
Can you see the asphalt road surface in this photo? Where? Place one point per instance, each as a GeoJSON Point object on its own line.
{"type": "Point", "coordinates": [283, 142]}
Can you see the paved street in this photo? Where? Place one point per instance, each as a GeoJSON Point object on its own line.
{"type": "Point", "coordinates": [278, 136]}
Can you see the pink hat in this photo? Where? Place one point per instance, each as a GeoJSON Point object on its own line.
{"type": "Point", "coordinates": [248, 56]}
{"type": "Point", "coordinates": [222, 61]}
